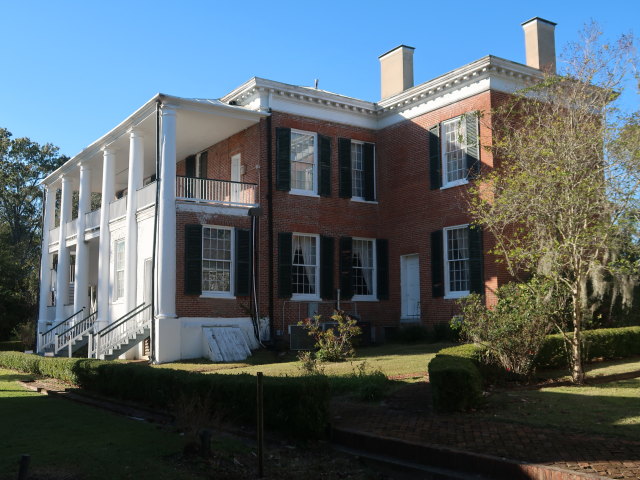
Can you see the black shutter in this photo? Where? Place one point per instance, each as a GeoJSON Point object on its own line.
{"type": "Point", "coordinates": [283, 159]}
{"type": "Point", "coordinates": [346, 268]}
{"type": "Point", "coordinates": [204, 157]}
{"type": "Point", "coordinates": [369, 171]}
{"type": "Point", "coordinates": [190, 166]}
{"type": "Point", "coordinates": [437, 263]}
{"type": "Point", "coordinates": [473, 145]}
{"type": "Point", "coordinates": [476, 275]}
{"type": "Point", "coordinates": [326, 268]}
{"type": "Point", "coordinates": [435, 160]}
{"type": "Point", "coordinates": [284, 264]}
{"type": "Point", "coordinates": [193, 259]}
{"type": "Point", "coordinates": [382, 263]}
{"type": "Point", "coordinates": [243, 262]}
{"type": "Point", "coordinates": [324, 163]}
{"type": "Point", "coordinates": [344, 161]}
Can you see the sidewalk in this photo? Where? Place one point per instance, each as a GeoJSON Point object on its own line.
{"type": "Point", "coordinates": [406, 428]}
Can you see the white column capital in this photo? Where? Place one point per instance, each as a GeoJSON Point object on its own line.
{"type": "Point", "coordinates": [135, 132]}
{"type": "Point", "coordinates": [84, 165]}
{"type": "Point", "coordinates": [168, 109]}
{"type": "Point", "coordinates": [108, 150]}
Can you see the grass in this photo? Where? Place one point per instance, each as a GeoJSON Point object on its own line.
{"type": "Point", "coordinates": [69, 440]}
{"type": "Point", "coordinates": [390, 359]}
{"type": "Point", "coordinates": [596, 369]}
{"type": "Point", "coordinates": [609, 408]}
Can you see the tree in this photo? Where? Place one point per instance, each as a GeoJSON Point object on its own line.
{"type": "Point", "coordinates": [23, 165]}
{"type": "Point", "coordinates": [567, 175]}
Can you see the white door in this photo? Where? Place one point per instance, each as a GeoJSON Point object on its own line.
{"type": "Point", "coordinates": [410, 287]}
{"type": "Point", "coordinates": [236, 188]}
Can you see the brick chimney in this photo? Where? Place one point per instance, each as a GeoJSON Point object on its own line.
{"type": "Point", "coordinates": [540, 44]}
{"type": "Point", "coordinates": [396, 71]}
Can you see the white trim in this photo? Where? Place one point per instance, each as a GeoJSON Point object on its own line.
{"type": "Point", "coordinates": [314, 190]}
{"type": "Point", "coordinates": [219, 293]}
{"type": "Point", "coordinates": [404, 317]}
{"type": "Point", "coordinates": [445, 253]}
{"type": "Point", "coordinates": [459, 122]}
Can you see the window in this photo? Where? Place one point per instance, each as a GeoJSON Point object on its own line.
{"type": "Point", "coordinates": [456, 260]}
{"type": "Point", "coordinates": [217, 260]}
{"type": "Point", "coordinates": [304, 266]}
{"type": "Point", "coordinates": [118, 288]}
{"type": "Point", "coordinates": [303, 162]}
{"type": "Point", "coordinates": [363, 268]}
{"type": "Point", "coordinates": [357, 170]}
{"type": "Point", "coordinates": [453, 152]}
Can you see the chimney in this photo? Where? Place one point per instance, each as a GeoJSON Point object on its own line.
{"type": "Point", "coordinates": [396, 71]}
{"type": "Point", "coordinates": [540, 44]}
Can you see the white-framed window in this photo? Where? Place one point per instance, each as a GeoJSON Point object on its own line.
{"type": "Point", "coordinates": [305, 271]}
{"type": "Point", "coordinates": [454, 152]}
{"type": "Point", "coordinates": [456, 261]}
{"type": "Point", "coordinates": [217, 260]}
{"type": "Point", "coordinates": [357, 170]}
{"type": "Point", "coordinates": [363, 253]}
{"type": "Point", "coordinates": [118, 284]}
{"type": "Point", "coordinates": [304, 162]}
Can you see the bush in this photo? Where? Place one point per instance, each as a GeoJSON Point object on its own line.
{"type": "Point", "coordinates": [335, 344]}
{"type": "Point", "coordinates": [25, 333]}
{"type": "Point", "coordinates": [13, 346]}
{"type": "Point", "coordinates": [295, 405]}
{"type": "Point", "coordinates": [456, 381]}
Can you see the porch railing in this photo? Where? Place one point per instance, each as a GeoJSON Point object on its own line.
{"type": "Point", "coordinates": [77, 331]}
{"type": "Point", "coordinates": [119, 332]}
{"type": "Point", "coordinates": [92, 219]}
{"type": "Point", "coordinates": [118, 208]}
{"type": "Point", "coordinates": [48, 337]}
{"type": "Point", "coordinates": [71, 228]}
{"type": "Point", "coordinates": [146, 196]}
{"type": "Point", "coordinates": [207, 190]}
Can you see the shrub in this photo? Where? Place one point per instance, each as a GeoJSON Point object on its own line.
{"type": "Point", "coordinates": [513, 330]}
{"type": "Point", "coordinates": [334, 344]}
{"type": "Point", "coordinates": [12, 346]}
{"type": "Point", "coordinates": [26, 333]}
{"type": "Point", "coordinates": [456, 381]}
{"type": "Point", "coordinates": [295, 405]}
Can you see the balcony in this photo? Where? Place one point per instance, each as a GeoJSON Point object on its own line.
{"type": "Point", "coordinates": [220, 192]}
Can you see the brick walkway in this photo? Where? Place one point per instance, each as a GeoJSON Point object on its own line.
{"type": "Point", "coordinates": [596, 455]}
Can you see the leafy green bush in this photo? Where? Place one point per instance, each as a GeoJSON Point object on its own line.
{"type": "Point", "coordinates": [456, 381]}
{"type": "Point", "coordinates": [13, 346]}
{"type": "Point", "coordinates": [334, 344]}
{"type": "Point", "coordinates": [295, 405]}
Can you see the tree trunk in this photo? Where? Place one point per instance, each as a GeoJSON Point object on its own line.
{"type": "Point", "coordinates": [577, 373]}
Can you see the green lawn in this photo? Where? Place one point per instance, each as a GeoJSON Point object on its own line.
{"type": "Point", "coordinates": [69, 440]}
{"type": "Point", "coordinates": [391, 359]}
{"type": "Point", "coordinates": [609, 408]}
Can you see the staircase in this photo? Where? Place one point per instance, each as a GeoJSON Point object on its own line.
{"type": "Point", "coordinates": [123, 334]}
{"type": "Point", "coordinates": [48, 338]}
{"type": "Point", "coordinates": [76, 336]}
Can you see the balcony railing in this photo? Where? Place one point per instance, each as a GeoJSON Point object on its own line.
{"type": "Point", "coordinates": [118, 208]}
{"type": "Point", "coordinates": [146, 196]}
{"type": "Point", "coordinates": [92, 219]}
{"type": "Point", "coordinates": [208, 190]}
{"type": "Point", "coordinates": [72, 228]}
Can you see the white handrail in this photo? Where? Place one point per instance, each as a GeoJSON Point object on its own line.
{"type": "Point", "coordinates": [216, 191]}
{"type": "Point", "coordinates": [76, 331]}
{"type": "Point", "coordinates": [121, 330]}
{"type": "Point", "coordinates": [118, 208]}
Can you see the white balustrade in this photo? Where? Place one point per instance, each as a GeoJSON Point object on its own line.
{"type": "Point", "coordinates": [216, 191]}
{"type": "Point", "coordinates": [54, 235]}
{"type": "Point", "coordinates": [146, 196]}
{"type": "Point", "coordinates": [123, 329]}
{"type": "Point", "coordinates": [92, 220]}
{"type": "Point", "coordinates": [118, 208]}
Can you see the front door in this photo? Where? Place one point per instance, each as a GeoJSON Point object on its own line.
{"type": "Point", "coordinates": [410, 287]}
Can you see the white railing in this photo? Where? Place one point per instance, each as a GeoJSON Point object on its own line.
{"type": "Point", "coordinates": [119, 332]}
{"type": "Point", "coordinates": [54, 235]}
{"type": "Point", "coordinates": [72, 228]}
{"type": "Point", "coordinates": [118, 208]}
{"type": "Point", "coordinates": [48, 337]}
{"type": "Point", "coordinates": [92, 220]}
{"type": "Point", "coordinates": [146, 196]}
{"type": "Point", "coordinates": [75, 332]}
{"type": "Point", "coordinates": [216, 191]}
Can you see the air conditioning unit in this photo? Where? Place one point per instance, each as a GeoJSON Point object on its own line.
{"type": "Point", "coordinates": [299, 338]}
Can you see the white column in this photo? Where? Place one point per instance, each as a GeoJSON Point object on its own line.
{"type": "Point", "coordinates": [167, 340]}
{"type": "Point", "coordinates": [108, 192]}
{"type": "Point", "coordinates": [45, 260]}
{"type": "Point", "coordinates": [136, 162]}
{"type": "Point", "coordinates": [62, 275]}
{"type": "Point", "coordinates": [80, 293]}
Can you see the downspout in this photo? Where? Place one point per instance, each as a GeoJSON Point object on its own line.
{"type": "Point", "coordinates": [270, 228]}
{"type": "Point", "coordinates": [152, 353]}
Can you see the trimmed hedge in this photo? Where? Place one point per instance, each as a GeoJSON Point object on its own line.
{"type": "Point", "coordinates": [295, 405]}
{"type": "Point", "coordinates": [13, 346]}
{"type": "Point", "coordinates": [457, 374]}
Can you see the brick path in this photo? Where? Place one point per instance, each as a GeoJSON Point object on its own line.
{"type": "Point", "coordinates": [605, 456]}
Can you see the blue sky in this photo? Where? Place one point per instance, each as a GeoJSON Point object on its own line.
{"type": "Point", "coordinates": [72, 70]}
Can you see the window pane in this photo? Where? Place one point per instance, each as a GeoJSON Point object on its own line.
{"type": "Point", "coordinates": [216, 259]}
{"type": "Point", "coordinates": [453, 150]}
{"type": "Point", "coordinates": [362, 255]}
{"type": "Point", "coordinates": [357, 170]}
{"type": "Point", "coordinates": [304, 265]}
{"type": "Point", "coordinates": [302, 161]}
{"type": "Point", "coordinates": [458, 259]}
